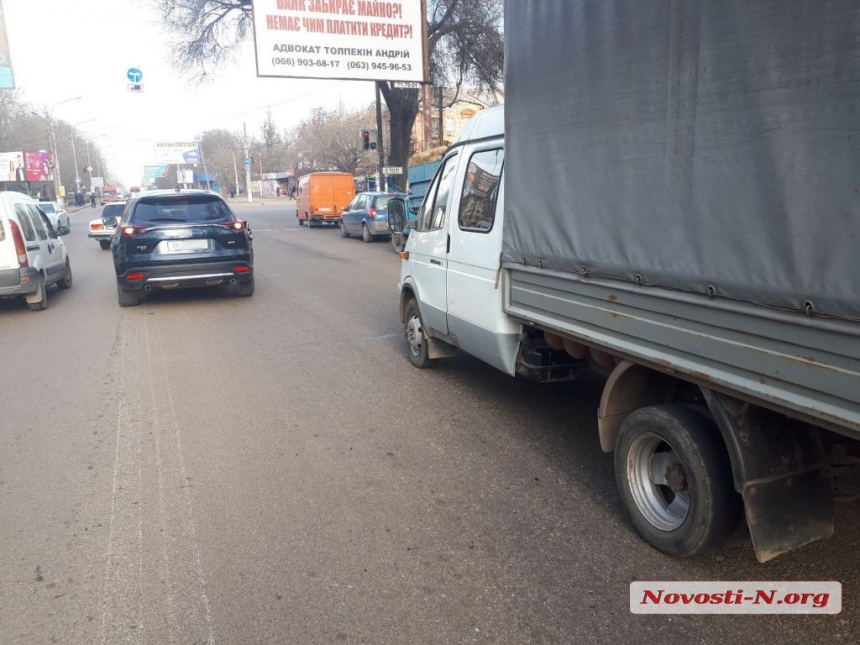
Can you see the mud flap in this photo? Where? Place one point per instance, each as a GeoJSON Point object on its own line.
{"type": "Point", "coordinates": [779, 468]}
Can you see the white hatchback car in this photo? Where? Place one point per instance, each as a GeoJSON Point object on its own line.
{"type": "Point", "coordinates": [32, 255]}
{"type": "Point", "coordinates": [58, 216]}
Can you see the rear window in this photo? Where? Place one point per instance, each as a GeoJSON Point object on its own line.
{"type": "Point", "coordinates": [181, 208]}
{"type": "Point", "coordinates": [381, 203]}
{"type": "Point", "coordinates": [113, 210]}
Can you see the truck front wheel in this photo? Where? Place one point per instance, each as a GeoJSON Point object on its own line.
{"type": "Point", "coordinates": [416, 338]}
{"type": "Point", "coordinates": [675, 479]}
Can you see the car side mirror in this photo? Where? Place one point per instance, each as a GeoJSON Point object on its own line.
{"type": "Point", "coordinates": [109, 221]}
{"type": "Point", "coordinates": [396, 214]}
{"type": "Point", "coordinates": [344, 208]}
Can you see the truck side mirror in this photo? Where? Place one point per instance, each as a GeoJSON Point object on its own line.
{"type": "Point", "coordinates": [396, 214]}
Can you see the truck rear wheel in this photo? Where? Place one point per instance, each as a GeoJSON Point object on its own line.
{"type": "Point", "coordinates": [675, 479]}
{"type": "Point", "coordinates": [416, 338]}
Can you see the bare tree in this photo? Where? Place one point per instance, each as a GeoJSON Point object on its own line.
{"type": "Point", "coordinates": [464, 38]}
{"type": "Point", "coordinates": [329, 140]}
{"type": "Point", "coordinates": [223, 151]}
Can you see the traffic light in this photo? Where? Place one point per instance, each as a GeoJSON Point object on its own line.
{"type": "Point", "coordinates": [365, 139]}
{"type": "Point", "coordinates": [373, 139]}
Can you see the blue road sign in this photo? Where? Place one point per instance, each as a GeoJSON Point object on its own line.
{"type": "Point", "coordinates": [134, 75]}
{"type": "Point", "coordinates": [247, 161]}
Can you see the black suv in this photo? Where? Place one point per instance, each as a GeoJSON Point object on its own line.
{"type": "Point", "coordinates": [169, 240]}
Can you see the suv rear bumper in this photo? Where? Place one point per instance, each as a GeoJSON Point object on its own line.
{"type": "Point", "coordinates": [178, 276]}
{"type": "Point", "coordinates": [19, 282]}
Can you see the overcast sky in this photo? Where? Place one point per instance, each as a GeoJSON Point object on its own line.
{"type": "Point", "coordinates": [64, 49]}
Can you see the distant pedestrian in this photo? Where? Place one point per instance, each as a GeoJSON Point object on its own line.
{"type": "Point", "coordinates": [232, 193]}
{"type": "Point", "coordinates": [93, 200]}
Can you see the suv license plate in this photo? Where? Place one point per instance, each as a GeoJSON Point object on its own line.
{"type": "Point", "coordinates": [176, 246]}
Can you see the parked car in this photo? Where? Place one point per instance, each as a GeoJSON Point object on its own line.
{"type": "Point", "coordinates": [176, 239]}
{"type": "Point", "coordinates": [321, 197]}
{"type": "Point", "coordinates": [367, 216]}
{"type": "Point", "coordinates": [58, 216]}
{"type": "Point", "coordinates": [32, 255]}
{"type": "Point", "coordinates": [102, 228]}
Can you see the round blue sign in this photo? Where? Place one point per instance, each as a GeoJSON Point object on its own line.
{"type": "Point", "coordinates": [134, 75]}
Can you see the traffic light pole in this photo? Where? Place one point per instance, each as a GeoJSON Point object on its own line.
{"type": "Point", "coordinates": [381, 157]}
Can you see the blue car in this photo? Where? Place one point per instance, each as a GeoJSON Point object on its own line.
{"type": "Point", "coordinates": [170, 240]}
{"type": "Point", "coordinates": [367, 216]}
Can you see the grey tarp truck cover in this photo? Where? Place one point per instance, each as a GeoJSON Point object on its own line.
{"type": "Point", "coordinates": [693, 144]}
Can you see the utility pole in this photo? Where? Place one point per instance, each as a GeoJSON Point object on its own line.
{"type": "Point", "coordinates": [381, 157]}
{"type": "Point", "coordinates": [247, 166]}
{"type": "Point", "coordinates": [236, 172]}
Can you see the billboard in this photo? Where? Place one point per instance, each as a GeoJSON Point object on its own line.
{"type": "Point", "coordinates": [12, 166]}
{"type": "Point", "coordinates": [39, 165]}
{"type": "Point", "coordinates": [151, 172]}
{"type": "Point", "coordinates": [343, 39]}
{"type": "Point", "coordinates": [171, 152]}
{"type": "Point", "coordinates": [7, 80]}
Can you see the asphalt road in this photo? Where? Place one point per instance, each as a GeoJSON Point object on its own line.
{"type": "Point", "coordinates": [202, 469]}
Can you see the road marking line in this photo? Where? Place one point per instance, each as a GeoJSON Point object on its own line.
{"type": "Point", "coordinates": [122, 604]}
{"type": "Point", "coordinates": [186, 568]}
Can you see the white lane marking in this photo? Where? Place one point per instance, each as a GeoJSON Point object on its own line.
{"type": "Point", "coordinates": [122, 604]}
{"type": "Point", "coordinates": [165, 571]}
{"type": "Point", "coordinates": [191, 603]}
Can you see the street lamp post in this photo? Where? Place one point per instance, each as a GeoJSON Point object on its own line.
{"type": "Point", "coordinates": [75, 154]}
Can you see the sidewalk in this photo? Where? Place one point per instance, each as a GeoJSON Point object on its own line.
{"type": "Point", "coordinates": [261, 201]}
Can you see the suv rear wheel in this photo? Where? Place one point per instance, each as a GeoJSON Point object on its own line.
{"type": "Point", "coordinates": [243, 289]}
{"type": "Point", "coordinates": [128, 298]}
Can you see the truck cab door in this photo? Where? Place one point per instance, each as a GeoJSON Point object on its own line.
{"type": "Point", "coordinates": [428, 248]}
{"type": "Point", "coordinates": [476, 316]}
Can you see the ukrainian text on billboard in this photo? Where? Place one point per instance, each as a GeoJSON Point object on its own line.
{"type": "Point", "coordinates": [347, 39]}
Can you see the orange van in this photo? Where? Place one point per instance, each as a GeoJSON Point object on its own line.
{"type": "Point", "coordinates": [322, 196]}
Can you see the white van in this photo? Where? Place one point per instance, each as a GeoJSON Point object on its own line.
{"type": "Point", "coordinates": [32, 255]}
{"type": "Point", "coordinates": [448, 283]}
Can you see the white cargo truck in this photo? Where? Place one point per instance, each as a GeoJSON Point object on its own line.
{"type": "Point", "coordinates": [670, 197]}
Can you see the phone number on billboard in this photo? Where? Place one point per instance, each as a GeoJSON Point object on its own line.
{"type": "Point", "coordinates": [391, 67]}
{"type": "Point", "coordinates": [306, 62]}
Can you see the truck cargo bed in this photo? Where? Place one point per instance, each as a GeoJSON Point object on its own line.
{"type": "Point", "coordinates": [805, 366]}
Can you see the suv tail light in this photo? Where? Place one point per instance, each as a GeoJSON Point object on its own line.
{"type": "Point", "coordinates": [131, 231]}
{"type": "Point", "coordinates": [372, 212]}
{"type": "Point", "coordinates": [20, 249]}
{"type": "Point", "coordinates": [238, 225]}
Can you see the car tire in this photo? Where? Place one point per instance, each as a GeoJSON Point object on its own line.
{"type": "Point", "coordinates": [693, 507]}
{"type": "Point", "coordinates": [105, 244]}
{"type": "Point", "coordinates": [243, 289]}
{"type": "Point", "coordinates": [366, 236]}
{"type": "Point", "coordinates": [416, 339]}
{"type": "Point", "coordinates": [39, 300]}
{"type": "Point", "coordinates": [66, 281]}
{"type": "Point", "coordinates": [343, 231]}
{"type": "Point", "coordinates": [128, 298]}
